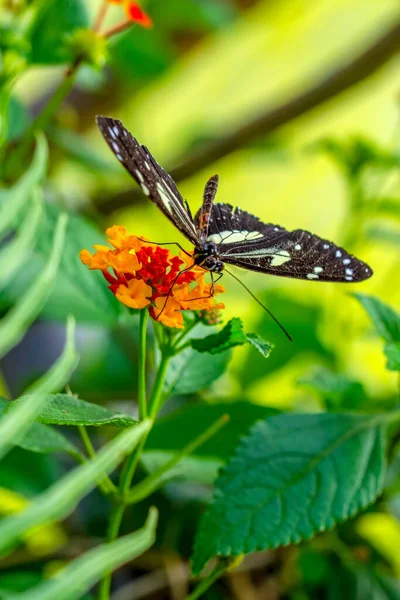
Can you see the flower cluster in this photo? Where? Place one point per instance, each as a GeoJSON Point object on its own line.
{"type": "Point", "coordinates": [144, 275]}
{"type": "Point", "coordinates": [134, 12]}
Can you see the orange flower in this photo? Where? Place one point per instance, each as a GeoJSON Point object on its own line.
{"type": "Point", "coordinates": [134, 12]}
{"type": "Point", "coordinates": [143, 275]}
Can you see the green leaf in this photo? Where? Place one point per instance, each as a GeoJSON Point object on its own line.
{"type": "Point", "coordinates": [292, 476]}
{"type": "Point", "coordinates": [63, 409]}
{"type": "Point", "coordinates": [174, 432]}
{"type": "Point", "coordinates": [16, 251]}
{"type": "Point", "coordinates": [83, 572]}
{"type": "Point", "coordinates": [259, 344]}
{"type": "Point", "coordinates": [14, 425]}
{"type": "Point", "coordinates": [138, 56]}
{"type": "Point", "coordinates": [43, 439]}
{"type": "Point", "coordinates": [54, 20]}
{"type": "Point", "coordinates": [14, 325]}
{"type": "Point", "coordinates": [77, 290]}
{"type": "Point", "coordinates": [14, 199]}
{"type": "Point", "coordinates": [231, 335]}
{"type": "Point", "coordinates": [61, 498]}
{"type": "Point", "coordinates": [392, 351]}
{"type": "Point", "coordinates": [17, 117]}
{"type": "Point", "coordinates": [384, 318]}
{"type": "Point", "coordinates": [337, 391]}
{"type": "Point", "coordinates": [192, 371]}
{"type": "Point", "coordinates": [18, 581]}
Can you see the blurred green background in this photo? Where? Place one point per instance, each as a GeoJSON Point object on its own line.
{"type": "Point", "coordinates": [205, 70]}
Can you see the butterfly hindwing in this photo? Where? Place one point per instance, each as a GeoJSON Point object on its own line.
{"type": "Point", "coordinates": [153, 180]}
{"type": "Point", "coordinates": [243, 240]}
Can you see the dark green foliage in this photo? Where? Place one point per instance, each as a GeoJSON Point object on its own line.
{"type": "Point", "coordinates": [49, 42]}
{"type": "Point", "coordinates": [64, 409]}
{"type": "Point", "coordinates": [291, 477]}
{"type": "Point", "coordinates": [387, 324]}
{"type": "Point", "coordinates": [337, 391]}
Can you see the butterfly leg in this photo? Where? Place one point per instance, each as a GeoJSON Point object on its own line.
{"type": "Point", "coordinates": [172, 286]}
{"type": "Point", "coordinates": [212, 291]}
{"type": "Point", "coordinates": [166, 244]}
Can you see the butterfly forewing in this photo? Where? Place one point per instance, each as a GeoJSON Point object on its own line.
{"type": "Point", "coordinates": [153, 180]}
{"type": "Point", "coordinates": [243, 240]}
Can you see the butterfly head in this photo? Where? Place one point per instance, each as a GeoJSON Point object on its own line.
{"type": "Point", "coordinates": [207, 256]}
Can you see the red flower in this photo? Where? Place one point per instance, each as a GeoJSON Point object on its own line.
{"type": "Point", "coordinates": [134, 12]}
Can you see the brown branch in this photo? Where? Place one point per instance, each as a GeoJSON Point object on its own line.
{"type": "Point", "coordinates": [348, 75]}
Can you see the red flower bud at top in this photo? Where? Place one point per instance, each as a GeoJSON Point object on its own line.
{"type": "Point", "coordinates": [136, 14]}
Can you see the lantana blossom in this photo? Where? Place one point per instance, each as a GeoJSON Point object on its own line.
{"type": "Point", "coordinates": [134, 12]}
{"type": "Point", "coordinates": [144, 275]}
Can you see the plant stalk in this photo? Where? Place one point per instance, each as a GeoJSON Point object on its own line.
{"type": "Point", "coordinates": [105, 484]}
{"type": "Point", "coordinates": [142, 398]}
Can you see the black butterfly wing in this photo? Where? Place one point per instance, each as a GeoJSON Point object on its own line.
{"type": "Point", "coordinates": [153, 180]}
{"type": "Point", "coordinates": [243, 240]}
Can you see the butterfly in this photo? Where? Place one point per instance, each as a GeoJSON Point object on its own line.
{"type": "Point", "coordinates": [222, 234]}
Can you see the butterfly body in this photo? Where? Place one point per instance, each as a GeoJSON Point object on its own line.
{"type": "Point", "coordinates": [222, 234]}
{"type": "Point", "coordinates": [207, 256]}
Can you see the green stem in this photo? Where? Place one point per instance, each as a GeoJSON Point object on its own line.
{"type": "Point", "coordinates": [55, 101]}
{"type": "Point", "coordinates": [144, 317]}
{"type": "Point", "coordinates": [105, 484]}
{"type": "Point", "coordinates": [184, 333]}
{"type": "Point", "coordinates": [156, 393]}
{"type": "Point", "coordinates": [150, 484]}
{"type": "Point", "coordinates": [129, 469]}
{"type": "Point", "coordinates": [182, 347]}
{"type": "Point", "coordinates": [206, 583]}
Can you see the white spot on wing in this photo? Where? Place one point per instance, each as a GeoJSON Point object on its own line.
{"type": "Point", "coordinates": [139, 176]}
{"type": "Point", "coordinates": [119, 156]}
{"type": "Point", "coordinates": [312, 276]}
{"type": "Point", "coordinates": [280, 259]}
{"type": "Point", "coordinates": [318, 269]}
{"type": "Point", "coordinates": [346, 261]}
{"type": "Point", "coordinates": [349, 271]}
{"type": "Point", "coordinates": [115, 146]}
{"type": "Point", "coordinates": [145, 189]}
{"type": "Point", "coordinates": [116, 130]}
{"type": "Point", "coordinates": [297, 247]}
{"type": "Point", "coordinates": [164, 197]}
{"type": "Point", "coordinates": [234, 236]}
{"type": "Point", "coordinates": [278, 256]}
{"type": "Point", "coordinates": [253, 235]}
{"type": "Point", "coordinates": [348, 278]}
{"type": "Point", "coordinates": [110, 131]}
{"type": "Point", "coordinates": [325, 246]}
{"type": "Point", "coordinates": [338, 253]}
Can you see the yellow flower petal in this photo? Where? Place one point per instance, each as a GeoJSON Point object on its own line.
{"type": "Point", "coordinates": [135, 295]}
{"type": "Point", "coordinates": [170, 315]}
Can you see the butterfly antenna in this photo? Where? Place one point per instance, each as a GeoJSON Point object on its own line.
{"type": "Point", "coordinates": [261, 304]}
